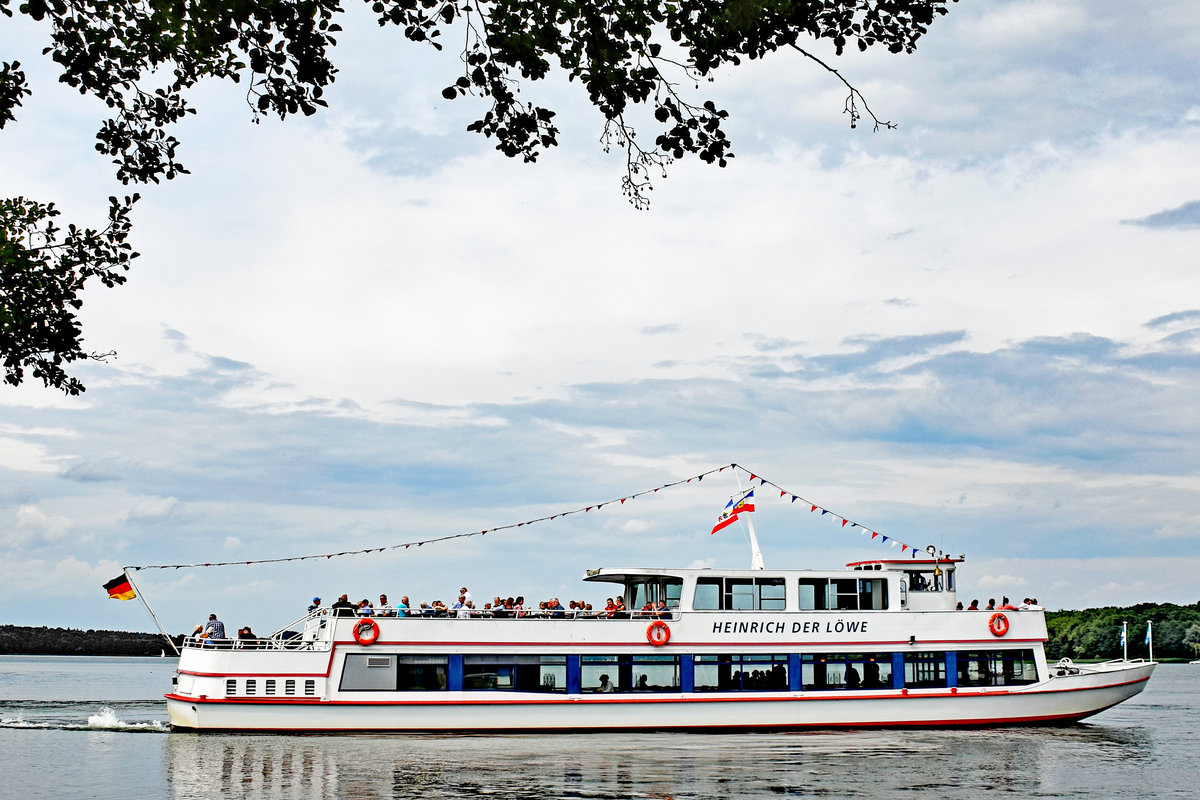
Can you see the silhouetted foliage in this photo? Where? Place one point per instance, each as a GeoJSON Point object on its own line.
{"type": "Point", "coordinates": [19, 640]}
{"type": "Point", "coordinates": [141, 59]}
{"type": "Point", "coordinates": [1096, 632]}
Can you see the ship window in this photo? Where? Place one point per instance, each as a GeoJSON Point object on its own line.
{"type": "Point", "coordinates": [310, 687]}
{"type": "Point", "coordinates": [925, 670]}
{"type": "Point", "coordinates": [651, 590]}
{"type": "Point", "coordinates": [422, 673]}
{"type": "Point", "coordinates": [270, 686]}
{"type": "Point", "coordinates": [230, 687]}
{"type": "Point", "coordinates": [363, 672]}
{"type": "Point", "coordinates": [843, 594]}
{"type": "Point", "coordinates": [833, 671]}
{"type": "Point", "coordinates": [744, 672]}
{"type": "Point", "coordinates": [515, 673]}
{"type": "Point", "coordinates": [289, 687]}
{"type": "Point", "coordinates": [251, 686]}
{"type": "Point", "coordinates": [996, 668]}
{"type": "Point", "coordinates": [630, 673]}
{"type": "Point", "coordinates": [739, 594]}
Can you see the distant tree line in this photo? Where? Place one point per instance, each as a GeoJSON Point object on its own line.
{"type": "Point", "coordinates": [1096, 632]}
{"type": "Point", "coordinates": [18, 640]}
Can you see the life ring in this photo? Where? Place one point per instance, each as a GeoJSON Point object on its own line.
{"type": "Point", "coordinates": [366, 631]}
{"type": "Point", "coordinates": [998, 624]}
{"type": "Point", "coordinates": [657, 633]}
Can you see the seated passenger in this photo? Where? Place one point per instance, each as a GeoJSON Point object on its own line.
{"type": "Point", "coordinates": [663, 611]}
{"type": "Point", "coordinates": [852, 680]}
{"type": "Point", "coordinates": [871, 679]}
{"type": "Point", "coordinates": [364, 608]}
{"type": "Point", "coordinates": [610, 608]}
{"type": "Point", "coordinates": [974, 606]}
{"type": "Point", "coordinates": [605, 685]}
{"type": "Point", "coordinates": [343, 607]}
{"type": "Point", "coordinates": [620, 612]}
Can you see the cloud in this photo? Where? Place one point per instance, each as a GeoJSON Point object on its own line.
{"type": "Point", "coordinates": [152, 509]}
{"type": "Point", "coordinates": [1184, 217]}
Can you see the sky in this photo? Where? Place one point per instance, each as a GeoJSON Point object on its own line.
{"type": "Point", "coordinates": [978, 331]}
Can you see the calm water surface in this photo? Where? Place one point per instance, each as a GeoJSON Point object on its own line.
{"type": "Point", "coordinates": [96, 727]}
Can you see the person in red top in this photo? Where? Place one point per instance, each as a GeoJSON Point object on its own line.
{"type": "Point", "coordinates": [610, 608]}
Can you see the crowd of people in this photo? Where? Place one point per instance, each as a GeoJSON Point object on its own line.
{"type": "Point", "coordinates": [1028, 604]}
{"type": "Point", "coordinates": [498, 608]}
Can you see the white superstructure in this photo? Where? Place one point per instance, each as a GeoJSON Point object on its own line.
{"type": "Point", "coordinates": [879, 644]}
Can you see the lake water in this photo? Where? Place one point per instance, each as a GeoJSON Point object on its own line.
{"type": "Point", "coordinates": [96, 727]}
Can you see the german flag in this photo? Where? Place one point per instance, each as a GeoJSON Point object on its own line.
{"type": "Point", "coordinates": [119, 588]}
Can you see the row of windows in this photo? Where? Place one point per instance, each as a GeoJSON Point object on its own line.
{"type": "Point", "coordinates": [736, 672]}
{"type": "Point", "coordinates": [269, 686]}
{"type": "Point", "coordinates": [768, 594]}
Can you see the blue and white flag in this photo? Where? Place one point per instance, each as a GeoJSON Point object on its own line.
{"type": "Point", "coordinates": [1122, 636]}
{"type": "Point", "coordinates": [1148, 624]}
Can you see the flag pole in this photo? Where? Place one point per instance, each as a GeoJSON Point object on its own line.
{"type": "Point", "coordinates": [153, 616]}
{"type": "Point", "coordinates": [756, 556]}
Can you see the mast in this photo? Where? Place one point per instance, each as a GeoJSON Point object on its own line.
{"type": "Point", "coordinates": [756, 556]}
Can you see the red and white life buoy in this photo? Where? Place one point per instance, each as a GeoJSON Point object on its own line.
{"type": "Point", "coordinates": [657, 633]}
{"type": "Point", "coordinates": [366, 631]}
{"type": "Point", "coordinates": [998, 624]}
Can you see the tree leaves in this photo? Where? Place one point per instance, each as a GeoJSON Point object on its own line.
{"type": "Point", "coordinates": [41, 278]}
{"type": "Point", "coordinates": [141, 59]}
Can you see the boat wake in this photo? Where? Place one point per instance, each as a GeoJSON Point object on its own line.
{"type": "Point", "coordinates": [106, 719]}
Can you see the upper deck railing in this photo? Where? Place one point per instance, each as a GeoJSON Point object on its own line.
{"type": "Point", "coordinates": [315, 630]}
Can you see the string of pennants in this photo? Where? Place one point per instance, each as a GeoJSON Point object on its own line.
{"type": "Point", "coordinates": [846, 522]}
{"type": "Point", "coordinates": [513, 526]}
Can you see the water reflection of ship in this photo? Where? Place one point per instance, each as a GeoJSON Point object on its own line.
{"type": "Point", "coordinates": [610, 766]}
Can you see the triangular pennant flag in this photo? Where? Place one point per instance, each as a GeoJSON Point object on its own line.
{"type": "Point", "coordinates": [814, 508]}
{"type": "Point", "coordinates": [844, 521]}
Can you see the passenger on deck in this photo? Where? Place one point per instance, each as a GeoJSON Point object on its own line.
{"type": "Point", "coordinates": [974, 606]}
{"type": "Point", "coordinates": [663, 611]}
{"type": "Point", "coordinates": [402, 608]}
{"type": "Point", "coordinates": [316, 603]}
{"type": "Point", "coordinates": [465, 594]}
{"type": "Point", "coordinates": [465, 610]}
{"type": "Point", "coordinates": [958, 607]}
{"type": "Point", "coordinates": [383, 609]}
{"type": "Point", "coordinates": [343, 607]}
{"type": "Point", "coordinates": [213, 629]}
{"type": "Point", "coordinates": [1007, 606]}
{"type": "Point", "coordinates": [610, 608]}
{"type": "Point", "coordinates": [246, 638]}
{"type": "Point", "coordinates": [991, 606]}
{"type": "Point", "coordinates": [364, 608]}
{"type": "Point", "coordinates": [620, 612]}
{"type": "Point", "coordinates": [556, 608]}
{"type": "Point", "coordinates": [648, 609]}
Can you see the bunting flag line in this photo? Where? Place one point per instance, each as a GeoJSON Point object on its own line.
{"type": "Point", "coordinates": [119, 589]}
{"type": "Point", "coordinates": [732, 509]}
{"type": "Point", "coordinates": [746, 505]}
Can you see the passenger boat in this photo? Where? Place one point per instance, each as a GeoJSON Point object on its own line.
{"type": "Point", "coordinates": [877, 644]}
